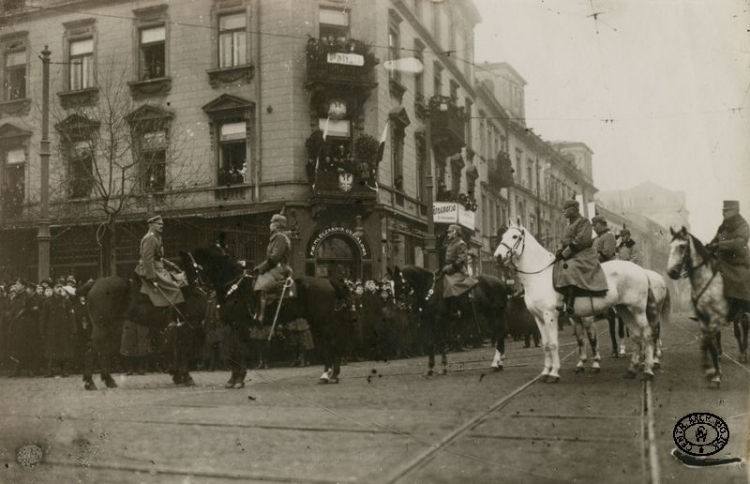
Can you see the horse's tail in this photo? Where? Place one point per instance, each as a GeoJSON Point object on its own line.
{"type": "Point", "coordinates": [83, 291]}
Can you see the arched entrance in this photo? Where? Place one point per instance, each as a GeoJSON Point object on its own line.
{"type": "Point", "coordinates": [337, 252]}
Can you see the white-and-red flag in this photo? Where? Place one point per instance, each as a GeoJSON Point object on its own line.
{"type": "Point", "coordinates": [322, 148]}
{"type": "Point", "coordinates": [381, 149]}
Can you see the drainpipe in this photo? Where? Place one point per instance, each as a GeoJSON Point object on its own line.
{"type": "Point", "coordinates": [258, 125]}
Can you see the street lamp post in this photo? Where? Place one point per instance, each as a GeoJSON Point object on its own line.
{"type": "Point", "coordinates": [43, 235]}
{"type": "Point", "coordinates": [429, 185]}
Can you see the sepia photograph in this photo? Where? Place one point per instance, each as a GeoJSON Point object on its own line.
{"type": "Point", "coordinates": [374, 241]}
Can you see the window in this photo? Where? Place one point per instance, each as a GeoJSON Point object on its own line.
{"type": "Point", "coordinates": [519, 171]}
{"type": "Point", "coordinates": [153, 150]}
{"type": "Point", "coordinates": [334, 24]}
{"type": "Point", "coordinates": [436, 20]}
{"type": "Point", "coordinates": [394, 45]}
{"type": "Point", "coordinates": [232, 153]}
{"type": "Point", "coordinates": [421, 163]}
{"type": "Point", "coordinates": [529, 175]}
{"type": "Point", "coordinates": [80, 166]}
{"type": "Point", "coordinates": [437, 79]}
{"type": "Point", "coordinates": [397, 155]}
{"type": "Point", "coordinates": [232, 40]}
{"type": "Point", "coordinates": [14, 72]}
{"type": "Point", "coordinates": [14, 180]}
{"type": "Point", "coordinates": [454, 90]}
{"type": "Point", "coordinates": [152, 52]}
{"type": "Point", "coordinates": [81, 64]}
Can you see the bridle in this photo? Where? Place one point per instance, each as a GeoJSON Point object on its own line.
{"type": "Point", "coordinates": [515, 253]}
{"type": "Point", "coordinates": [687, 269]}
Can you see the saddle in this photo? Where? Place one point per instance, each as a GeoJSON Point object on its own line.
{"type": "Point", "coordinates": [275, 294]}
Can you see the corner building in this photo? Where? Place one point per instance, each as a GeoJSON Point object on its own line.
{"type": "Point", "coordinates": [221, 106]}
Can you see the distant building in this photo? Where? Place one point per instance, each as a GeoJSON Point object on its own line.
{"type": "Point", "coordinates": [663, 206]}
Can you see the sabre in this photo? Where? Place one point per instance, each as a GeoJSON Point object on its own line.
{"type": "Point", "coordinates": [287, 284]}
{"type": "Point", "coordinates": [173, 306]}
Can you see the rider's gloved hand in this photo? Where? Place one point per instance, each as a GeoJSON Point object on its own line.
{"type": "Point", "coordinates": [712, 247]}
{"type": "Point", "coordinates": [559, 254]}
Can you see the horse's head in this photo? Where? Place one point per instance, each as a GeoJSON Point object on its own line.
{"type": "Point", "coordinates": [686, 253]}
{"type": "Point", "coordinates": [511, 245]}
{"type": "Point", "coordinates": [192, 269]}
{"type": "Point", "coordinates": [214, 265]}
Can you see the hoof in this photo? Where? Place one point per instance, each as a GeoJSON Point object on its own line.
{"type": "Point", "coordinates": [580, 369]}
{"type": "Point", "coordinates": [543, 378]}
{"type": "Point", "coordinates": [428, 373]}
{"type": "Point", "coordinates": [443, 371]}
{"type": "Point", "coordinates": [657, 365]}
{"type": "Point", "coordinates": [323, 381]}
{"type": "Point", "coordinates": [89, 385]}
{"type": "Point", "coordinates": [229, 384]}
{"type": "Point", "coordinates": [647, 377]}
{"type": "Point", "coordinates": [109, 382]}
{"type": "Point", "coordinates": [743, 358]}
{"type": "Point", "coordinates": [188, 381]}
{"type": "Point", "coordinates": [334, 380]}
{"type": "Point", "coordinates": [714, 385]}
{"type": "Point", "coordinates": [497, 368]}
{"type": "Point", "coordinates": [596, 370]}
{"type": "Point", "coordinates": [553, 379]}
{"type": "Point", "coordinates": [630, 375]}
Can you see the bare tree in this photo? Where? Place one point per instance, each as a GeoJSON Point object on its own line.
{"type": "Point", "coordinates": [115, 157]}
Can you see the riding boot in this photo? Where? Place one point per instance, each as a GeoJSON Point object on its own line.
{"type": "Point", "coordinates": [262, 310]}
{"type": "Point", "coordinates": [262, 355]}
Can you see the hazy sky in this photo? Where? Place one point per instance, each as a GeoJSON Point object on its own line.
{"type": "Point", "coordinates": [659, 89]}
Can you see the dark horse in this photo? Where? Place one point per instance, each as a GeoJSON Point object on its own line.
{"type": "Point", "coordinates": [107, 299]}
{"type": "Point", "coordinates": [422, 291]}
{"type": "Point", "coordinates": [316, 301]}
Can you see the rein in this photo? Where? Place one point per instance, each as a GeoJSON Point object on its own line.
{"type": "Point", "coordinates": [513, 250]}
{"type": "Point", "coordinates": [690, 270]}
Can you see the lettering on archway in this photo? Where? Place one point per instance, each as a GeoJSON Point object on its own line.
{"type": "Point", "coordinates": [325, 233]}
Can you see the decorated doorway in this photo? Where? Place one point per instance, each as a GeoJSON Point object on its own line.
{"type": "Point", "coordinates": [339, 253]}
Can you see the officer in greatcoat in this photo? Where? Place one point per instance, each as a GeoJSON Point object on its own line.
{"type": "Point", "coordinates": [160, 286]}
{"type": "Point", "coordinates": [577, 269]}
{"type": "Point", "coordinates": [730, 246]}
{"type": "Point", "coordinates": [273, 271]}
{"type": "Point", "coordinates": [457, 279]}
{"type": "Point", "coordinates": [605, 246]}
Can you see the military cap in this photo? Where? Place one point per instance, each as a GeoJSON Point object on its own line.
{"type": "Point", "coordinates": [455, 227]}
{"type": "Point", "coordinates": [571, 203]}
{"type": "Point", "coordinates": [156, 219]}
{"type": "Point", "coordinates": [624, 231]}
{"type": "Point", "coordinates": [278, 219]}
{"type": "Point", "coordinates": [599, 219]}
{"type": "Point", "coordinates": [731, 205]}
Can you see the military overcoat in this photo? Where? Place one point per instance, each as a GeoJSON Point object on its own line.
{"type": "Point", "coordinates": [579, 266]}
{"type": "Point", "coordinates": [275, 269]}
{"type": "Point", "coordinates": [734, 257]}
{"type": "Point", "coordinates": [604, 245]}
{"type": "Point", "coordinates": [457, 279]}
{"type": "Point", "coordinates": [151, 267]}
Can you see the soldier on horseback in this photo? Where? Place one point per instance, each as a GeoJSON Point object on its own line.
{"type": "Point", "coordinates": [626, 249]}
{"type": "Point", "coordinates": [730, 246]}
{"type": "Point", "coordinates": [577, 270]}
{"type": "Point", "coordinates": [456, 274]}
{"type": "Point", "coordinates": [157, 282]}
{"type": "Point", "coordinates": [275, 269]}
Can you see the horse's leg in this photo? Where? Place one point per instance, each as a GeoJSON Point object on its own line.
{"type": "Point", "coordinates": [594, 342]}
{"type": "Point", "coordinates": [711, 352]}
{"type": "Point", "coordinates": [553, 346]}
{"type": "Point", "coordinates": [646, 347]}
{"type": "Point", "coordinates": [612, 321]}
{"type": "Point", "coordinates": [500, 333]}
{"type": "Point", "coordinates": [622, 333]}
{"type": "Point", "coordinates": [89, 359]}
{"type": "Point", "coordinates": [578, 331]}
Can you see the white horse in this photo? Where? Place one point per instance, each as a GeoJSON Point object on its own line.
{"type": "Point", "coordinates": [687, 254]}
{"type": "Point", "coordinates": [628, 292]}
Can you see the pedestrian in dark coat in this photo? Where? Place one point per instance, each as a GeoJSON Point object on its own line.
{"type": "Point", "coordinates": [22, 333]}
{"type": "Point", "coordinates": [730, 246]}
{"type": "Point", "coordinates": [576, 262]}
{"type": "Point", "coordinates": [59, 327]}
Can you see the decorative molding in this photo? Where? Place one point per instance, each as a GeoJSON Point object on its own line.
{"type": "Point", "coordinates": [16, 107]}
{"type": "Point", "coordinates": [396, 88]}
{"type": "Point", "coordinates": [228, 75]}
{"type": "Point", "coordinates": [78, 98]}
{"type": "Point", "coordinates": [151, 87]}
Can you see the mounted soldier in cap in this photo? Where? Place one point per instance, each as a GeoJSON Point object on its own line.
{"type": "Point", "coordinates": [273, 271]}
{"type": "Point", "coordinates": [162, 288]}
{"type": "Point", "coordinates": [457, 279]}
{"type": "Point", "coordinates": [626, 249]}
{"type": "Point", "coordinates": [577, 271]}
{"type": "Point", "coordinates": [730, 247]}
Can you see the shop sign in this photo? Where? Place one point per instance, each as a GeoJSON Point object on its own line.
{"type": "Point", "coordinates": [346, 59]}
{"type": "Point", "coordinates": [452, 213]}
{"type": "Point", "coordinates": [337, 230]}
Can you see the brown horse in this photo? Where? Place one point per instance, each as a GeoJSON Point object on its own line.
{"type": "Point", "coordinates": [421, 291]}
{"type": "Point", "coordinates": [107, 299]}
{"type": "Point", "coordinates": [317, 301]}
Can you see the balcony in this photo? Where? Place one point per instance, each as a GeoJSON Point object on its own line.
{"type": "Point", "coordinates": [448, 128]}
{"type": "Point", "coordinates": [347, 64]}
{"type": "Point", "coordinates": [500, 171]}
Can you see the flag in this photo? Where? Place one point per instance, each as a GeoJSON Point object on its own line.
{"type": "Point", "coordinates": [322, 148]}
{"type": "Point", "coordinates": [379, 155]}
